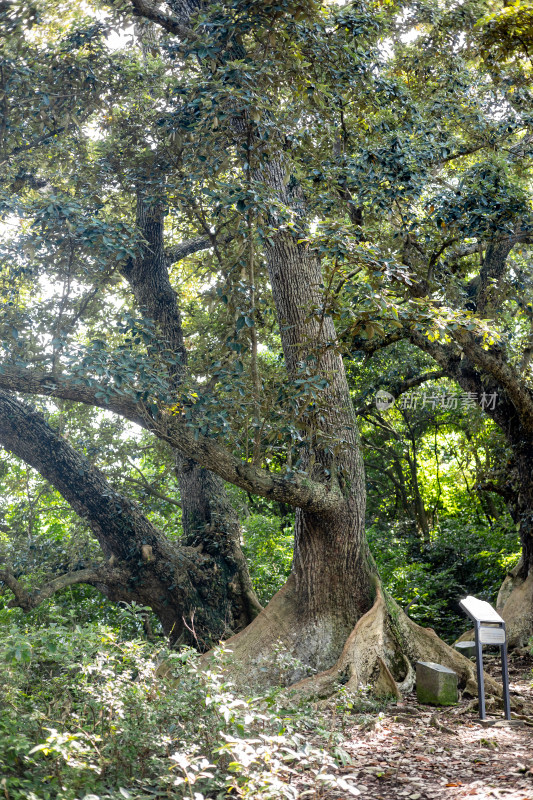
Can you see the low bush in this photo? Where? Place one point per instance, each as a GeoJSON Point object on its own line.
{"type": "Point", "coordinates": [85, 715]}
{"type": "Point", "coordinates": [461, 558]}
{"type": "Point", "coordinates": [268, 549]}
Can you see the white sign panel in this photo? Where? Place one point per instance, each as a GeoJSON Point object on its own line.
{"type": "Point", "coordinates": [479, 610]}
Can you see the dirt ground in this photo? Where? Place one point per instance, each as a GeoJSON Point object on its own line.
{"type": "Point", "coordinates": [422, 753]}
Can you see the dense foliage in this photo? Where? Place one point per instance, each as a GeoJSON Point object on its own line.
{"type": "Point", "coordinates": [87, 714]}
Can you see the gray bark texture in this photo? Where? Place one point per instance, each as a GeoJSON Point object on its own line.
{"type": "Point", "coordinates": [332, 585]}
{"type": "Point", "coordinates": [209, 521]}
{"type": "Point", "coordinates": [331, 565]}
{"type": "Point", "coordinates": [199, 596]}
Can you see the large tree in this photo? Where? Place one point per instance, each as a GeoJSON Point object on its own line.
{"type": "Point", "coordinates": [219, 128]}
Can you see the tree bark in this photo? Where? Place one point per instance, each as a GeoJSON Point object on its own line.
{"type": "Point", "coordinates": [199, 595]}
{"type": "Point", "coordinates": [331, 615]}
{"type": "Point", "coordinates": [208, 519]}
{"type": "Point", "coordinates": [332, 581]}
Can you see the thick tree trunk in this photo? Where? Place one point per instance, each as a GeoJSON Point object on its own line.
{"type": "Point", "coordinates": [332, 580]}
{"type": "Point", "coordinates": [331, 584]}
{"type": "Point", "coordinates": [199, 596]}
{"type": "Point", "coordinates": [211, 525]}
{"type": "Point", "coordinates": [331, 614]}
{"type": "Point", "coordinates": [209, 521]}
{"type": "Point", "coordinates": [296, 279]}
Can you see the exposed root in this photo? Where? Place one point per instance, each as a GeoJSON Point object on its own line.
{"type": "Point", "coordinates": [409, 681]}
{"type": "Point", "coordinates": [436, 723]}
{"type": "Point", "coordinates": [380, 651]}
{"type": "Point", "coordinates": [527, 719]}
{"type": "Point", "coordinates": [360, 659]}
{"type": "Point", "coordinates": [472, 706]}
{"type": "Point", "coordinates": [310, 648]}
{"type": "Point", "coordinates": [517, 610]}
{"type": "Point", "coordinates": [508, 584]}
{"type": "Point", "coordinates": [423, 644]}
{"type": "Point", "coordinates": [385, 685]}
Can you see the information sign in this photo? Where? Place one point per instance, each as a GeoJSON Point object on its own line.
{"type": "Point", "coordinates": [489, 629]}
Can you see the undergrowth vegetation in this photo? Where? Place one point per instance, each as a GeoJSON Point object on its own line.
{"type": "Point", "coordinates": [86, 715]}
{"type": "Point", "coordinates": [268, 549]}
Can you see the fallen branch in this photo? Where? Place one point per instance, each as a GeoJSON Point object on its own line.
{"type": "Point", "coordinates": [436, 723]}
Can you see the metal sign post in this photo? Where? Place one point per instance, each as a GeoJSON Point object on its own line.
{"type": "Point", "coordinates": [489, 629]}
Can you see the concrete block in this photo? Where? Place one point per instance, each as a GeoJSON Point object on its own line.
{"type": "Point", "coordinates": [467, 649]}
{"type": "Point", "coordinates": [436, 685]}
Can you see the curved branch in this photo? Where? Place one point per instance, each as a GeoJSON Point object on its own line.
{"type": "Point", "coordinates": [371, 346]}
{"type": "Point", "coordinates": [103, 575]}
{"type": "Point", "coordinates": [187, 248]}
{"type": "Point", "coordinates": [118, 524]}
{"type": "Point", "coordinates": [504, 491]}
{"type": "Point", "coordinates": [465, 372]}
{"type": "Point", "coordinates": [418, 380]}
{"type": "Point", "coordinates": [494, 265]}
{"type": "Point", "coordinates": [191, 246]}
{"type": "Point", "coordinates": [48, 384]}
{"type": "Point", "coordinates": [297, 490]}
{"type": "Point", "coordinates": [502, 372]}
{"type": "Point", "coordinates": [170, 23]}
{"type": "Point", "coordinates": [404, 386]}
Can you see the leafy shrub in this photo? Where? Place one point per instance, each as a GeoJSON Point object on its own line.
{"type": "Point", "coordinates": [268, 549]}
{"type": "Point", "coordinates": [461, 558]}
{"type": "Point", "coordinates": [86, 715]}
{"type": "Point", "coordinates": [85, 605]}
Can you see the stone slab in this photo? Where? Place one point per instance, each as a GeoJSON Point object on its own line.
{"type": "Point", "coordinates": [467, 649]}
{"type": "Point", "coordinates": [436, 684]}
{"type": "Point", "coordinates": [501, 723]}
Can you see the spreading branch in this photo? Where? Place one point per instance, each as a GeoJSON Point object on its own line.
{"type": "Point", "coordinates": [169, 22]}
{"type": "Point", "coordinates": [102, 576]}
{"type": "Point", "coordinates": [187, 248]}
{"type": "Point", "coordinates": [371, 346]}
{"type": "Point", "coordinates": [494, 265]}
{"type": "Point", "coordinates": [297, 491]}
{"type": "Point", "coordinates": [507, 492]}
{"type": "Point", "coordinates": [191, 246]}
{"type": "Point", "coordinates": [405, 386]}
{"type": "Point", "coordinates": [452, 359]}
{"type": "Point", "coordinates": [47, 384]}
{"type": "Point", "coordinates": [117, 523]}
{"type": "Point", "coordinates": [502, 372]}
